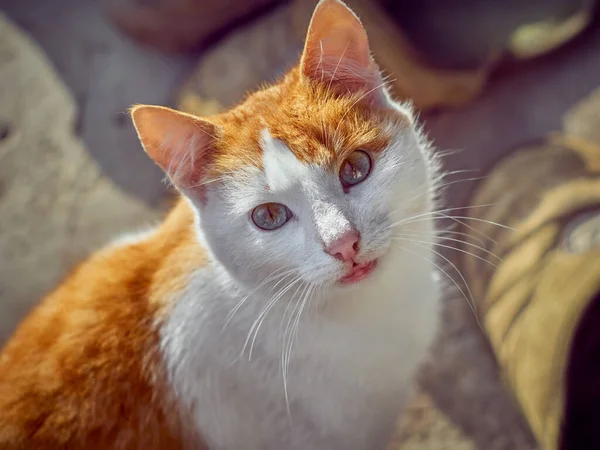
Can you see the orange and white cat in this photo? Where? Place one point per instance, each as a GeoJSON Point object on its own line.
{"type": "Point", "coordinates": [274, 307]}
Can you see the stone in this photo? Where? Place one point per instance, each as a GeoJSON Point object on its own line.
{"type": "Point", "coordinates": [56, 205]}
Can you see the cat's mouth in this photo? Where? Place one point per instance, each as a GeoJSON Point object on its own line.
{"type": "Point", "coordinates": [358, 272]}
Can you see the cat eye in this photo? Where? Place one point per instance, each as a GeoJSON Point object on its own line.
{"type": "Point", "coordinates": [270, 216]}
{"type": "Point", "coordinates": [355, 169]}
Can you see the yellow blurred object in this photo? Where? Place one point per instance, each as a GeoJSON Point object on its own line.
{"type": "Point", "coordinates": [546, 197]}
{"type": "Point", "coordinates": [535, 39]}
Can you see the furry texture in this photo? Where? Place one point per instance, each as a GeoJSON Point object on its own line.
{"type": "Point", "coordinates": [211, 327]}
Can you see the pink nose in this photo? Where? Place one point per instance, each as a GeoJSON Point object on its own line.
{"type": "Point", "coordinates": [346, 247]}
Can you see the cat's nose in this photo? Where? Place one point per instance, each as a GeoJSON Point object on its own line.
{"type": "Point", "coordinates": [345, 247]}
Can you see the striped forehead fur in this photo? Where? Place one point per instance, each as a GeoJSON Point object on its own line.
{"type": "Point", "coordinates": [281, 167]}
{"type": "Point", "coordinates": [318, 125]}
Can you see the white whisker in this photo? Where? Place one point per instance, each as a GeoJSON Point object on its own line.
{"type": "Point", "coordinates": [284, 352]}
{"type": "Point", "coordinates": [477, 219]}
{"type": "Point", "coordinates": [384, 83]}
{"type": "Point", "coordinates": [471, 305]}
{"type": "Point", "coordinates": [265, 311]}
{"type": "Point", "coordinates": [454, 240]}
{"type": "Point", "coordinates": [278, 273]}
{"type": "Point", "coordinates": [435, 213]}
{"type": "Point", "coordinates": [448, 246]}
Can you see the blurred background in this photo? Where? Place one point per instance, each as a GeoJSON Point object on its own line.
{"type": "Point", "coordinates": [485, 75]}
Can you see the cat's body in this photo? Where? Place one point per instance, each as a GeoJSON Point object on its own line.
{"type": "Point", "coordinates": [241, 322]}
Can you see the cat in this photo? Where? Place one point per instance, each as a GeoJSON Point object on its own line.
{"type": "Point", "coordinates": [277, 306]}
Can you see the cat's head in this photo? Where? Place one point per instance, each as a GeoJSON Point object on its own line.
{"type": "Point", "coordinates": [306, 178]}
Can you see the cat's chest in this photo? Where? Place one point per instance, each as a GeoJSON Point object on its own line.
{"type": "Point", "coordinates": [376, 344]}
{"type": "Point", "coordinates": [345, 388]}
{"type": "Point", "coordinates": [355, 365]}
{"type": "Point", "coordinates": [342, 377]}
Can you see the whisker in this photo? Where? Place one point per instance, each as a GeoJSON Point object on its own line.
{"type": "Point", "coordinates": [462, 180]}
{"type": "Point", "coordinates": [338, 65]}
{"type": "Point", "coordinates": [455, 240]}
{"type": "Point", "coordinates": [258, 322]}
{"type": "Point", "coordinates": [472, 302]}
{"type": "Point", "coordinates": [448, 246]}
{"type": "Point", "coordinates": [434, 213]}
{"type": "Point", "coordinates": [471, 306]}
{"type": "Point", "coordinates": [282, 331]}
{"type": "Point", "coordinates": [266, 309]}
{"type": "Point", "coordinates": [441, 233]}
{"type": "Point", "coordinates": [384, 83]}
{"type": "Point", "coordinates": [444, 153]}
{"type": "Point", "coordinates": [276, 274]}
{"type": "Point", "coordinates": [330, 83]}
{"type": "Point", "coordinates": [477, 219]}
{"type": "Point", "coordinates": [439, 187]}
{"type": "Point", "coordinates": [285, 355]}
{"type": "Point", "coordinates": [306, 289]}
{"type": "Point", "coordinates": [321, 59]}
{"type": "Point", "coordinates": [460, 222]}
{"type": "Point", "coordinates": [454, 172]}
{"type": "Point", "coordinates": [474, 230]}
{"type": "Point", "coordinates": [212, 180]}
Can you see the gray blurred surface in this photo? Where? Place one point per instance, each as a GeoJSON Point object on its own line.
{"type": "Point", "coordinates": [107, 73]}
{"type": "Point", "coordinates": [56, 206]}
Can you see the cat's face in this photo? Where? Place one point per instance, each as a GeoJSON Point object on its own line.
{"type": "Point", "coordinates": [326, 218]}
{"type": "Point", "coordinates": [305, 180]}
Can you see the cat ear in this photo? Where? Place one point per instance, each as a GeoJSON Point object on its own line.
{"type": "Point", "coordinates": [337, 50]}
{"type": "Point", "coordinates": [181, 144]}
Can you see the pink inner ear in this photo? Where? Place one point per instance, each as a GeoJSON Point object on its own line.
{"type": "Point", "coordinates": [181, 144]}
{"type": "Point", "coordinates": [185, 154]}
{"type": "Point", "coordinates": [347, 76]}
{"type": "Point", "coordinates": [337, 50]}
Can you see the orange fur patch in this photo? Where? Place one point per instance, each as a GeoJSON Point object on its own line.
{"type": "Point", "coordinates": [319, 125]}
{"type": "Point", "coordinates": [83, 370]}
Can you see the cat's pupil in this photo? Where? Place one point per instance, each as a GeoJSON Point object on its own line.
{"type": "Point", "coordinates": [270, 216]}
{"type": "Point", "coordinates": [355, 168]}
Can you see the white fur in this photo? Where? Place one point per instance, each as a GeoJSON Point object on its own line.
{"type": "Point", "coordinates": [281, 168]}
{"type": "Point", "coordinates": [134, 237]}
{"type": "Point", "coordinates": [330, 366]}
